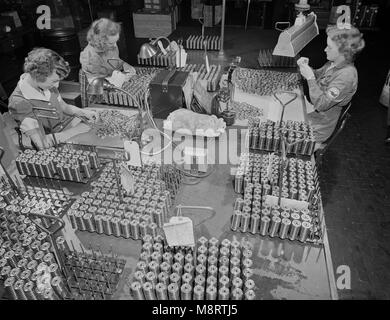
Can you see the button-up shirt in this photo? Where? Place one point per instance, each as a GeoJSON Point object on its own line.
{"type": "Point", "coordinates": [333, 88]}
{"type": "Point", "coordinates": [97, 63]}
{"type": "Point", "coordinates": [27, 102]}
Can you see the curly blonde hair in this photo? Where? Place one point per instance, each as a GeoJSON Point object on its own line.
{"type": "Point", "coordinates": [99, 32]}
{"type": "Point", "coordinates": [349, 41]}
{"type": "Point", "coordinates": [40, 63]}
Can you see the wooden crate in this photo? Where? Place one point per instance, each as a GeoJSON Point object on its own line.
{"type": "Point", "coordinates": [151, 25]}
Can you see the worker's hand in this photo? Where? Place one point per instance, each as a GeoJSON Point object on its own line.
{"type": "Point", "coordinates": [91, 115]}
{"type": "Point", "coordinates": [40, 141]}
{"type": "Point", "coordinates": [302, 61]}
{"type": "Point", "coordinates": [306, 72]}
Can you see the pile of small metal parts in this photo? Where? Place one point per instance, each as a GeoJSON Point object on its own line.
{"type": "Point", "coordinates": [266, 135]}
{"type": "Point", "coordinates": [159, 60]}
{"type": "Point", "coordinates": [213, 77]}
{"type": "Point", "coordinates": [66, 162]}
{"type": "Point", "coordinates": [264, 82]}
{"type": "Point", "coordinates": [139, 214]}
{"type": "Point", "coordinates": [275, 221]}
{"type": "Point", "coordinates": [245, 111]}
{"type": "Point", "coordinates": [24, 251]}
{"type": "Point", "coordinates": [136, 87]}
{"type": "Point", "coordinates": [267, 59]}
{"type": "Point", "coordinates": [213, 270]}
{"type": "Point", "coordinates": [300, 179]}
{"type": "Point", "coordinates": [91, 276]}
{"type": "Point", "coordinates": [195, 42]}
{"type": "Point", "coordinates": [113, 123]}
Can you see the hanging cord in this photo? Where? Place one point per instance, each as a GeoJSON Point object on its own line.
{"type": "Point", "coordinates": [171, 142]}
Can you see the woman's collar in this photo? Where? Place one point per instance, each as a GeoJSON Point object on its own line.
{"type": "Point", "coordinates": [30, 93]}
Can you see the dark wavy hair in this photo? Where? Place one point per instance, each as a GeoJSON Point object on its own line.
{"type": "Point", "coordinates": [349, 41]}
{"type": "Point", "coordinates": [40, 63]}
{"type": "Point", "coordinates": [99, 32]}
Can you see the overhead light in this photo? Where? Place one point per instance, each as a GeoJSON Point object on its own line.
{"type": "Point", "coordinates": [294, 39]}
{"type": "Point", "coordinates": [149, 50]}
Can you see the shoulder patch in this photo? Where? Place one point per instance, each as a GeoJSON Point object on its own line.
{"type": "Point", "coordinates": [333, 92]}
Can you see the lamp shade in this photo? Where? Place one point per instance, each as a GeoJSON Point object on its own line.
{"type": "Point", "coordinates": [294, 39]}
{"type": "Point", "coordinates": [97, 86]}
{"type": "Point", "coordinates": [147, 51]}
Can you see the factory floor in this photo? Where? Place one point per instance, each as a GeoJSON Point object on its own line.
{"type": "Point", "coordinates": [355, 177]}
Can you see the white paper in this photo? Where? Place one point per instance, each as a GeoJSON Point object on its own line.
{"type": "Point", "coordinates": [179, 232]}
{"type": "Point", "coordinates": [127, 180]}
{"type": "Point", "coordinates": [133, 153]}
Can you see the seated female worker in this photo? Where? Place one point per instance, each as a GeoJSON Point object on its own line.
{"type": "Point", "coordinates": [37, 90]}
{"type": "Point", "coordinates": [100, 58]}
{"type": "Point", "coordinates": [332, 86]}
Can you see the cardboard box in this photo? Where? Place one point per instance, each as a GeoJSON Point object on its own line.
{"type": "Point", "coordinates": [149, 24]}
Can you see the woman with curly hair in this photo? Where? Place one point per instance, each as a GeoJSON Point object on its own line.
{"type": "Point", "coordinates": [36, 104]}
{"type": "Point", "coordinates": [332, 87]}
{"type": "Point", "coordinates": [100, 58]}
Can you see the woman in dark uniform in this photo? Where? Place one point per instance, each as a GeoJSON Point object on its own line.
{"type": "Point", "coordinates": [332, 87]}
{"type": "Point", "coordinates": [37, 106]}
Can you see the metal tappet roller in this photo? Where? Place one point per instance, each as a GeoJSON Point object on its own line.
{"type": "Point", "coordinates": [173, 292]}
{"type": "Point", "coordinates": [136, 291]}
{"type": "Point", "coordinates": [211, 293]}
{"type": "Point", "coordinates": [161, 291]}
{"type": "Point", "coordinates": [148, 291]}
{"type": "Point", "coordinates": [294, 230]}
{"type": "Point", "coordinates": [236, 220]}
{"type": "Point", "coordinates": [275, 225]}
{"type": "Point", "coordinates": [284, 228]}
{"type": "Point", "coordinates": [151, 277]}
{"type": "Point", "coordinates": [163, 277]}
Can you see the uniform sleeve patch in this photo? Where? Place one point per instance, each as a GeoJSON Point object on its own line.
{"type": "Point", "coordinates": [333, 92]}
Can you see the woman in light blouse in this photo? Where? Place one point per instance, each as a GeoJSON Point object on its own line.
{"type": "Point", "coordinates": [100, 58]}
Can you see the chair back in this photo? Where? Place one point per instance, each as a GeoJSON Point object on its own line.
{"type": "Point", "coordinates": [344, 116]}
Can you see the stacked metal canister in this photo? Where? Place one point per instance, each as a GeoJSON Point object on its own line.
{"type": "Point", "coordinates": [141, 213]}
{"type": "Point", "coordinates": [264, 82]}
{"type": "Point", "coordinates": [253, 214]}
{"type": "Point", "coordinates": [212, 77]}
{"type": "Point", "coordinates": [213, 270]}
{"type": "Point", "coordinates": [300, 179]}
{"type": "Point", "coordinates": [136, 87]}
{"type": "Point", "coordinates": [267, 59]}
{"type": "Point", "coordinates": [197, 42]}
{"type": "Point", "coordinates": [92, 276]}
{"type": "Point", "coordinates": [25, 253]}
{"type": "Point", "coordinates": [159, 60]}
{"type": "Point", "coordinates": [114, 123]}
{"type": "Point", "coordinates": [64, 163]}
{"type": "Point", "coordinates": [267, 135]}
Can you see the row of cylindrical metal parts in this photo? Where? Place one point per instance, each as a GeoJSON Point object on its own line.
{"type": "Point", "coordinates": [271, 141]}
{"type": "Point", "coordinates": [282, 225]}
{"type": "Point", "coordinates": [23, 252]}
{"type": "Point", "coordinates": [19, 289]}
{"type": "Point", "coordinates": [75, 168]}
{"type": "Point", "coordinates": [215, 269]}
